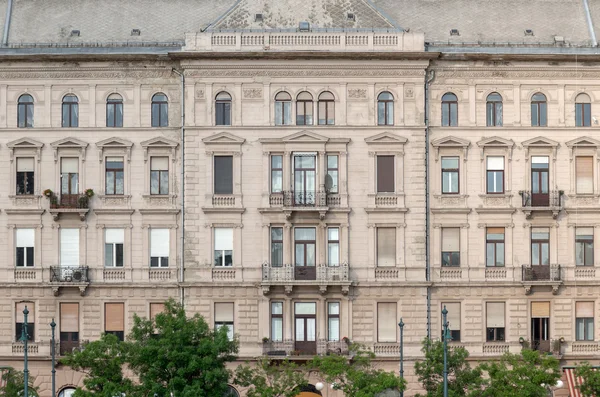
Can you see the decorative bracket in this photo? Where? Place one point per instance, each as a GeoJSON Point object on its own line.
{"type": "Point", "coordinates": [288, 289]}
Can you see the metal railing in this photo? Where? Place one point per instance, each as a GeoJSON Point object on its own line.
{"type": "Point", "coordinates": [550, 199]}
{"type": "Point", "coordinates": [541, 273]}
{"type": "Point", "coordinates": [71, 274]}
{"type": "Point", "coordinates": [78, 201]}
{"type": "Point", "coordinates": [305, 198]}
{"type": "Point", "coordinates": [324, 273]}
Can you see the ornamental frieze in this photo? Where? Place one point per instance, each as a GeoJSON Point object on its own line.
{"type": "Point", "coordinates": [518, 73]}
{"type": "Point", "coordinates": [395, 72]}
{"type": "Point", "coordinates": [7, 74]}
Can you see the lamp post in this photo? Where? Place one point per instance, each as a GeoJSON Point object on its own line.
{"type": "Point", "coordinates": [401, 325]}
{"type": "Point", "coordinates": [24, 337]}
{"type": "Point", "coordinates": [53, 353]}
{"type": "Point", "coordinates": [446, 337]}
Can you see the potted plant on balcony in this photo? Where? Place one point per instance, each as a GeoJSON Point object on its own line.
{"type": "Point", "coordinates": [49, 194]}
{"type": "Point", "coordinates": [346, 340]}
{"type": "Point", "coordinates": [265, 340]}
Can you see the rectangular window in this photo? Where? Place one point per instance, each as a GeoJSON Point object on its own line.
{"type": "Point", "coordinates": [25, 172]}
{"type": "Point", "coordinates": [385, 174]}
{"type": "Point", "coordinates": [159, 175]}
{"type": "Point", "coordinates": [156, 309]}
{"type": "Point", "coordinates": [69, 247]}
{"type": "Point", "coordinates": [69, 327]}
{"type": "Point", "coordinates": [276, 173]}
{"type": "Point", "coordinates": [223, 247]}
{"type": "Point", "coordinates": [115, 177]}
{"type": "Point", "coordinates": [386, 322]}
{"type": "Point", "coordinates": [223, 113]}
{"type": "Point", "coordinates": [386, 246]}
{"type": "Point", "coordinates": [25, 247]}
{"type": "Point", "coordinates": [540, 246]}
{"type": "Point", "coordinates": [277, 321]}
{"type": "Point", "coordinates": [333, 246]}
{"type": "Point", "coordinates": [584, 168]}
{"type": "Point", "coordinates": [584, 321]}
{"type": "Point", "coordinates": [305, 246]}
{"type": "Point", "coordinates": [21, 319]}
{"type": "Point", "coordinates": [113, 247]}
{"type": "Point", "coordinates": [224, 317]}
{"type": "Point", "coordinates": [495, 175]}
{"type": "Point", "coordinates": [333, 321]}
{"type": "Point", "coordinates": [453, 318]}
{"type": "Point", "coordinates": [331, 184]}
{"type": "Point", "coordinates": [451, 246]}
{"type": "Point", "coordinates": [450, 178]}
{"type": "Point", "coordinates": [114, 319]}
{"type": "Point", "coordinates": [495, 321]}
{"type": "Point", "coordinates": [276, 246]}
{"type": "Point", "coordinates": [584, 246]}
{"type": "Point", "coordinates": [494, 246]}
{"type": "Point", "coordinates": [159, 247]}
{"type": "Point", "coordinates": [583, 114]}
{"type": "Point", "coordinates": [69, 175]}
{"type": "Point", "coordinates": [223, 172]}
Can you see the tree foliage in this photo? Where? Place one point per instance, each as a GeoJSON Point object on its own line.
{"type": "Point", "coordinates": [270, 378]}
{"type": "Point", "coordinates": [590, 386]}
{"type": "Point", "coordinates": [15, 383]}
{"type": "Point", "coordinates": [356, 377]}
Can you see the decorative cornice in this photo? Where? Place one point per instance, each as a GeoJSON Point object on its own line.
{"type": "Point", "coordinates": [537, 73]}
{"type": "Point", "coordinates": [298, 71]}
{"type": "Point", "coordinates": [83, 73]}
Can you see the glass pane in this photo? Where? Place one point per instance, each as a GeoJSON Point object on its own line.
{"type": "Point", "coordinates": [164, 115]}
{"type": "Point", "coordinates": [228, 258]}
{"type": "Point", "coordinates": [535, 254]}
{"type": "Point", "coordinates": [579, 252]}
{"type": "Point", "coordinates": [453, 114]}
{"type": "Point", "coordinates": [322, 115]}
{"type": "Point", "coordinates": [449, 162]}
{"type": "Point", "coordinates": [306, 308]}
{"type": "Point", "coordinates": [453, 182]}
{"type": "Point", "coordinates": [390, 113]}
{"type": "Point", "coordinates": [29, 254]}
{"type": "Point", "coordinates": [155, 114]}
{"type": "Point", "coordinates": [218, 258]}
{"type": "Point", "coordinates": [164, 182]}
{"type": "Point", "coordinates": [287, 113]}
{"type": "Point", "coordinates": [544, 182]}
{"type": "Point", "coordinates": [110, 182]}
{"type": "Point", "coordinates": [310, 255]}
{"type": "Point", "coordinates": [579, 115]}
{"type": "Point", "coordinates": [21, 115]}
{"type": "Point", "coordinates": [311, 330]}
{"type": "Point", "coordinates": [120, 183]}
{"type": "Point", "coordinates": [276, 181]}
{"type": "Point", "coordinates": [587, 114]}
{"type": "Point", "coordinates": [334, 329]}
{"type": "Point", "coordinates": [332, 162]}
{"type": "Point", "coordinates": [110, 115]}
{"type": "Point", "coordinates": [499, 114]}
{"type": "Point", "coordinates": [119, 115]}
{"type": "Point", "coordinates": [278, 113]}
{"type": "Point", "coordinates": [227, 113]}
{"type": "Point", "coordinates": [277, 254]}
{"type": "Point", "coordinates": [589, 254]}
{"type": "Point", "coordinates": [20, 252]}
{"type": "Point", "coordinates": [535, 182]}
{"type": "Point", "coordinates": [334, 308]}
{"type": "Point", "coordinates": [277, 162]}
{"type": "Point", "coordinates": [119, 255]}
{"type": "Point", "coordinates": [545, 254]}
{"type": "Point", "coordinates": [543, 115]}
{"type": "Point", "coordinates": [534, 115]}
{"type": "Point", "coordinates": [277, 308]}
{"type": "Point", "coordinates": [445, 114]}
{"type": "Point", "coordinates": [446, 182]}
{"type": "Point", "coordinates": [108, 255]}
{"type": "Point", "coordinates": [333, 254]}
{"type": "Point", "coordinates": [74, 183]}
{"type": "Point", "coordinates": [300, 330]}
{"type": "Point", "coordinates": [490, 114]}
{"type": "Point", "coordinates": [579, 329]}
{"type": "Point", "coordinates": [74, 115]}
{"type": "Point", "coordinates": [489, 261]}
{"type": "Point", "coordinates": [299, 255]}
{"type": "Point", "coordinates": [154, 180]}
{"type": "Point", "coordinates": [277, 329]}
{"type": "Point", "coordinates": [589, 332]}
{"type": "Point", "coordinates": [381, 113]}
{"type": "Point", "coordinates": [305, 233]}
{"type": "Point", "coordinates": [65, 115]}
{"type": "Point", "coordinates": [333, 233]}
{"type": "Point", "coordinates": [499, 254]}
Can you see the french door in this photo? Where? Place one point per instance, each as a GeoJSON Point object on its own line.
{"type": "Point", "coordinates": [305, 324]}
{"type": "Point", "coordinates": [305, 173]}
{"type": "Point", "coordinates": [540, 194]}
{"type": "Point", "coordinates": [540, 326]}
{"type": "Point", "coordinates": [305, 253]}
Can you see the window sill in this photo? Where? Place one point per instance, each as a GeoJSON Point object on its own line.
{"type": "Point", "coordinates": [160, 199]}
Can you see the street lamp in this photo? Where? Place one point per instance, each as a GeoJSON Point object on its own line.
{"type": "Point", "coordinates": [53, 353]}
{"type": "Point", "coordinates": [446, 337]}
{"type": "Point", "coordinates": [24, 337]}
{"type": "Point", "coordinates": [401, 325]}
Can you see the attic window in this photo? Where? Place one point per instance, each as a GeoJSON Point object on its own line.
{"type": "Point", "coordinates": [75, 33]}
{"type": "Point", "coordinates": [528, 32]}
{"type": "Point", "coordinates": [454, 32]}
{"type": "Point", "coordinates": [351, 16]}
{"type": "Point", "coordinates": [258, 17]}
{"type": "Point", "coordinates": [304, 26]}
{"type": "Point", "coordinates": [136, 32]}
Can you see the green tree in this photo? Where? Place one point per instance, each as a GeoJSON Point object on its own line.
{"type": "Point", "coordinates": [14, 383]}
{"type": "Point", "coordinates": [462, 379]}
{"type": "Point", "coordinates": [270, 378]}
{"type": "Point", "coordinates": [356, 377]}
{"type": "Point", "coordinates": [516, 375]}
{"type": "Point", "coordinates": [591, 380]}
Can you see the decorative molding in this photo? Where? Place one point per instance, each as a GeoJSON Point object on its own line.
{"type": "Point", "coordinates": [159, 142]}
{"type": "Point", "coordinates": [357, 93]}
{"type": "Point", "coordinates": [287, 71]}
{"type": "Point", "coordinates": [67, 143]}
{"type": "Point", "coordinates": [451, 142]}
{"type": "Point", "coordinates": [223, 138]}
{"type": "Point", "coordinates": [25, 143]}
{"type": "Point", "coordinates": [58, 73]}
{"type": "Point", "coordinates": [114, 143]}
{"type": "Point", "coordinates": [386, 138]}
{"type": "Point", "coordinates": [252, 93]}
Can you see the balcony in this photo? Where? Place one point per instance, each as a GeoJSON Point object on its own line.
{"type": "Point", "coordinates": [305, 201]}
{"type": "Point", "coordinates": [69, 204]}
{"type": "Point", "coordinates": [541, 202]}
{"type": "Point", "coordinates": [69, 276]}
{"type": "Point", "coordinates": [289, 348]}
{"type": "Point", "coordinates": [320, 275]}
{"type": "Point", "coordinates": [541, 275]}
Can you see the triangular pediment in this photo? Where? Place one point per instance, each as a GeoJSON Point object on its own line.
{"type": "Point", "coordinates": [223, 138]}
{"type": "Point", "coordinates": [24, 143]}
{"type": "Point", "coordinates": [159, 142]}
{"type": "Point", "coordinates": [386, 137]}
{"type": "Point", "coordinates": [69, 142]}
{"type": "Point", "coordinates": [114, 142]}
{"type": "Point", "coordinates": [496, 141]}
{"type": "Point", "coordinates": [305, 136]}
{"type": "Point", "coordinates": [540, 141]}
{"type": "Point", "coordinates": [450, 141]}
{"type": "Point", "coordinates": [583, 141]}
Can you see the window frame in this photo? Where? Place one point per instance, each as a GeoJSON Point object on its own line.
{"type": "Point", "coordinates": [27, 254]}
{"type": "Point", "coordinates": [455, 335]}
{"type": "Point", "coordinates": [377, 177]}
{"type": "Point", "coordinates": [379, 321]}
{"type": "Point", "coordinates": [27, 177]}
{"type": "Point", "coordinates": [333, 170]}
{"type": "Point", "coordinates": [114, 171]}
{"type": "Point", "coordinates": [449, 171]}
{"type": "Point", "coordinates": [495, 334]}
{"type": "Point", "coordinates": [159, 105]}
{"type": "Point", "coordinates": [28, 109]}
{"type": "Point", "coordinates": [223, 105]}
{"type": "Point", "coordinates": [494, 110]}
{"type": "Point", "coordinates": [161, 175]}
{"type": "Point", "coordinates": [449, 109]}
{"type": "Point", "coordinates": [584, 241]}
{"type": "Point", "coordinates": [114, 103]}
{"type": "Point", "coordinates": [223, 252]}
{"type": "Point", "coordinates": [585, 323]}
{"type": "Point", "coordinates": [331, 317]}
{"type": "Point", "coordinates": [276, 171]}
{"type": "Point", "coordinates": [388, 109]}
{"type": "Point", "coordinates": [329, 107]}
{"type": "Point", "coordinates": [73, 117]}
{"type": "Point", "coordinates": [583, 108]}
{"type": "Point", "coordinates": [114, 249]}
{"type": "Point", "coordinates": [331, 243]}
{"type": "Point", "coordinates": [275, 316]}
{"type": "Point", "coordinates": [30, 321]}
{"type": "Point", "coordinates": [275, 241]}
{"type": "Point", "coordinates": [489, 172]}
{"type": "Point", "coordinates": [577, 159]}
{"type": "Point", "coordinates": [120, 334]}
{"type": "Point", "coordinates": [377, 247]}
{"type": "Point", "coordinates": [450, 254]}
{"type": "Point", "coordinates": [495, 243]}
{"type": "Point", "coordinates": [159, 259]}
{"type": "Point", "coordinates": [230, 324]}
{"type": "Point", "coordinates": [230, 188]}
{"type": "Point", "coordinates": [283, 106]}
{"type": "Point", "coordinates": [304, 104]}
{"type": "Point", "coordinates": [539, 242]}
{"type": "Point", "coordinates": [541, 106]}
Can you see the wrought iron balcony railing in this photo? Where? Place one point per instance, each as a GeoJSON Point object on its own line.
{"type": "Point", "coordinates": [71, 274]}
{"type": "Point", "coordinates": [70, 201]}
{"type": "Point", "coordinates": [550, 199]}
{"type": "Point", "coordinates": [542, 273]}
{"type": "Point", "coordinates": [303, 198]}
{"type": "Point", "coordinates": [321, 273]}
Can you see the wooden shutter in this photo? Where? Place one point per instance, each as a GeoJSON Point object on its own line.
{"type": "Point", "coordinates": [540, 309]}
{"type": "Point", "coordinates": [114, 317]}
{"type": "Point", "coordinates": [21, 317]}
{"type": "Point", "coordinates": [223, 172]}
{"type": "Point", "coordinates": [385, 174]}
{"type": "Point", "coordinates": [451, 239]}
{"type": "Point", "coordinates": [584, 309]}
{"type": "Point", "coordinates": [453, 316]}
{"type": "Point", "coordinates": [25, 164]}
{"type": "Point", "coordinates": [69, 317]}
{"type": "Point", "coordinates": [386, 322]}
{"type": "Point", "coordinates": [386, 246]}
{"type": "Point", "coordinates": [69, 247]}
{"type": "Point", "coordinates": [585, 174]}
{"type": "Point", "coordinates": [223, 312]}
{"type": "Point", "coordinates": [495, 314]}
{"type": "Point", "coordinates": [156, 308]}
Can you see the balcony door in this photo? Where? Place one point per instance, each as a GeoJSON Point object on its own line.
{"type": "Point", "coordinates": [540, 194]}
{"type": "Point", "coordinates": [69, 181]}
{"type": "Point", "coordinates": [305, 254]}
{"type": "Point", "coordinates": [305, 323]}
{"type": "Point", "coordinates": [305, 175]}
{"type": "Point", "coordinates": [540, 253]}
{"type": "Point", "coordinates": [540, 326]}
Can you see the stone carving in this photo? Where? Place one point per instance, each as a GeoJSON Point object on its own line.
{"type": "Point", "coordinates": [199, 93]}
{"type": "Point", "coordinates": [323, 72]}
{"type": "Point", "coordinates": [357, 93]}
{"type": "Point", "coordinates": [253, 93]}
{"type": "Point", "coordinates": [519, 73]}
{"type": "Point", "coordinates": [83, 73]}
{"type": "Point", "coordinates": [409, 92]}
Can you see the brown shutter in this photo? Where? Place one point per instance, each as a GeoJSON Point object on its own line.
{"type": "Point", "coordinates": [114, 316]}
{"type": "Point", "coordinates": [540, 309]}
{"type": "Point", "coordinates": [69, 317]}
{"type": "Point", "coordinates": [156, 308]}
{"type": "Point", "coordinates": [453, 316]}
{"type": "Point", "coordinates": [30, 316]}
{"type": "Point", "coordinates": [584, 309]}
{"type": "Point", "coordinates": [386, 322]}
{"type": "Point", "coordinates": [495, 230]}
{"type": "Point", "coordinates": [585, 174]}
{"type": "Point", "coordinates": [385, 174]}
{"type": "Point", "coordinates": [495, 314]}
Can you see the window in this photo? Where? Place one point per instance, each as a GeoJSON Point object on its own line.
{"type": "Point", "coordinates": [450, 246]}
{"type": "Point", "coordinates": [494, 110]}
{"type": "Point", "coordinates": [25, 247]}
{"type": "Point", "coordinates": [453, 318]}
{"type": "Point", "coordinates": [25, 111]}
{"type": "Point", "coordinates": [69, 175]}
{"type": "Point", "coordinates": [223, 172]}
{"type": "Point", "coordinates": [224, 317]}
{"type": "Point", "coordinates": [70, 111]}
{"type": "Point", "coordinates": [159, 247]}
{"type": "Point", "coordinates": [276, 246]}
{"type": "Point", "coordinates": [283, 109]}
{"type": "Point", "coordinates": [385, 109]}
{"type": "Point", "coordinates": [159, 175]}
{"type": "Point", "coordinates": [449, 110]}
{"type": "Point", "coordinates": [69, 327]}
{"type": "Point", "coordinates": [495, 322]}
{"type": "Point", "coordinates": [331, 181]}
{"type": "Point", "coordinates": [277, 321]}
{"type": "Point", "coordinates": [114, 111]}
{"type": "Point", "coordinates": [583, 111]}
{"type": "Point", "coordinates": [67, 392]}
{"type": "Point", "coordinates": [305, 180]}
{"type": "Point", "coordinates": [304, 109]}
{"type": "Point", "coordinates": [113, 247]}
{"type": "Point", "coordinates": [386, 246]}
{"type": "Point", "coordinates": [386, 322]}
{"type": "Point", "coordinates": [115, 180]}
{"type": "Point", "coordinates": [160, 110]}
{"type": "Point", "coordinates": [223, 109]}
{"type": "Point", "coordinates": [495, 175]}
{"type": "Point", "coordinates": [276, 173]}
{"type": "Point", "coordinates": [326, 108]}
{"type": "Point", "coordinates": [584, 321]}
{"type": "Point", "coordinates": [21, 319]}
{"type": "Point", "coordinates": [69, 247]}
{"type": "Point", "coordinates": [223, 247]}
{"type": "Point", "coordinates": [156, 309]}
{"type": "Point", "coordinates": [305, 316]}
{"type": "Point", "coordinates": [333, 321]}
{"type": "Point", "coordinates": [25, 175]}
{"type": "Point", "coordinates": [584, 246]}
{"type": "Point", "coordinates": [540, 196]}
{"type": "Point", "coordinates": [450, 178]}
{"type": "Point", "coordinates": [540, 246]}
{"type": "Point", "coordinates": [539, 110]}
{"type": "Point", "coordinates": [584, 169]}
{"type": "Point", "coordinates": [333, 246]}
{"type": "Point", "coordinates": [305, 246]}
{"type": "Point", "coordinates": [385, 174]}
{"type": "Point", "coordinates": [494, 241]}
{"type": "Point", "coordinates": [114, 319]}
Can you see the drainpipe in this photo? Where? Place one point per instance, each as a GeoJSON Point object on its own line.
{"type": "Point", "coordinates": [590, 24]}
{"type": "Point", "coordinates": [429, 77]}
{"type": "Point", "coordinates": [182, 184]}
{"type": "Point", "coordinates": [7, 23]}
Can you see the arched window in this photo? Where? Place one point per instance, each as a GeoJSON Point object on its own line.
{"type": "Point", "coordinates": [326, 108]}
{"type": "Point", "coordinates": [114, 111]}
{"type": "Point", "coordinates": [283, 109]}
{"type": "Point", "coordinates": [539, 110]}
{"type": "Point", "coordinates": [223, 108]}
{"type": "Point", "coordinates": [66, 392]}
{"type": "Point", "coordinates": [304, 108]}
{"type": "Point", "coordinates": [494, 110]}
{"type": "Point", "coordinates": [449, 110]}
{"type": "Point", "coordinates": [70, 111]}
{"type": "Point", "coordinates": [583, 110]}
{"type": "Point", "coordinates": [385, 109]}
{"type": "Point", "coordinates": [160, 110]}
{"type": "Point", "coordinates": [25, 111]}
